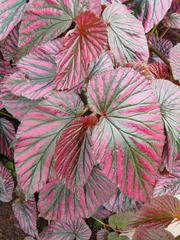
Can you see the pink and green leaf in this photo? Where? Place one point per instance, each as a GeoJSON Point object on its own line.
{"type": "Point", "coordinates": [43, 21]}
{"type": "Point", "coordinates": [126, 35]}
{"type": "Point", "coordinates": [150, 12]}
{"type": "Point", "coordinates": [160, 212]}
{"type": "Point", "coordinates": [80, 46]}
{"type": "Point", "coordinates": [128, 140]}
{"type": "Point", "coordinates": [58, 202]}
{"type": "Point", "coordinates": [168, 96]}
{"type": "Point", "coordinates": [144, 233]}
{"type": "Point", "coordinates": [69, 230]}
{"type": "Point", "coordinates": [26, 214]}
{"type": "Point", "coordinates": [74, 158]}
{"type": "Point", "coordinates": [175, 61]}
{"type": "Point", "coordinates": [6, 184]}
{"type": "Point", "coordinates": [37, 136]}
{"type": "Point", "coordinates": [11, 13]}
{"type": "Point", "coordinates": [7, 136]}
{"type": "Point", "coordinates": [35, 78]}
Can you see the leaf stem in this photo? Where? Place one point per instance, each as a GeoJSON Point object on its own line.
{"type": "Point", "coordinates": [159, 54]}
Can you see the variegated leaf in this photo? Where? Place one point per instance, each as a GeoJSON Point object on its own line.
{"type": "Point", "coordinates": [74, 158]}
{"type": "Point", "coordinates": [102, 234]}
{"type": "Point", "coordinates": [43, 21]}
{"type": "Point", "coordinates": [150, 12]}
{"type": "Point", "coordinates": [160, 212]}
{"type": "Point", "coordinates": [7, 136]}
{"type": "Point", "coordinates": [175, 61]}
{"type": "Point", "coordinates": [168, 184]}
{"type": "Point", "coordinates": [11, 12]}
{"type": "Point", "coordinates": [128, 140]}
{"type": "Point", "coordinates": [80, 46]}
{"type": "Point", "coordinates": [6, 184]}
{"type": "Point", "coordinates": [168, 96]}
{"type": "Point", "coordinates": [126, 35]}
{"type": "Point", "coordinates": [144, 233]}
{"type": "Point", "coordinates": [58, 202]}
{"type": "Point", "coordinates": [52, 47]}
{"type": "Point", "coordinates": [120, 203]}
{"type": "Point", "coordinates": [69, 230]}
{"type": "Point", "coordinates": [10, 44]}
{"type": "Point", "coordinates": [35, 78]}
{"type": "Point", "coordinates": [37, 136]}
{"type": "Point", "coordinates": [26, 214]}
{"type": "Point", "coordinates": [174, 20]}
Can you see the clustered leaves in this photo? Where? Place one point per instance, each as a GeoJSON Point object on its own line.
{"type": "Point", "coordinates": [90, 116]}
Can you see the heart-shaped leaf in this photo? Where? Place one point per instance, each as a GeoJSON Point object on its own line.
{"type": "Point", "coordinates": [126, 35]}
{"type": "Point", "coordinates": [128, 140]}
{"type": "Point", "coordinates": [37, 136]}
{"type": "Point", "coordinates": [69, 230]}
{"type": "Point", "coordinates": [6, 185]}
{"type": "Point", "coordinates": [58, 202]}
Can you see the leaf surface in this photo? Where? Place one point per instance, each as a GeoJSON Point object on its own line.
{"type": "Point", "coordinates": [26, 214]}
{"type": "Point", "coordinates": [168, 96]}
{"type": "Point", "coordinates": [175, 61]}
{"type": "Point", "coordinates": [144, 233]}
{"type": "Point", "coordinates": [69, 230]}
{"type": "Point", "coordinates": [11, 13]}
{"type": "Point", "coordinates": [58, 202]}
{"type": "Point", "coordinates": [7, 136]}
{"type": "Point", "coordinates": [43, 21]}
{"type": "Point", "coordinates": [80, 46]}
{"type": "Point", "coordinates": [128, 139]}
{"type": "Point", "coordinates": [126, 35]}
{"type": "Point", "coordinates": [6, 184]}
{"type": "Point", "coordinates": [74, 158]}
{"type": "Point", "coordinates": [37, 136]}
{"type": "Point", "coordinates": [160, 212]}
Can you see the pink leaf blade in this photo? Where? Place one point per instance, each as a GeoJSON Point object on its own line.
{"type": "Point", "coordinates": [61, 230]}
{"type": "Point", "coordinates": [130, 130]}
{"type": "Point", "coordinates": [175, 61]}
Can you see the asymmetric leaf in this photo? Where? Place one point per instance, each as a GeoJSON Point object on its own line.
{"type": "Point", "coordinates": [74, 158]}
{"type": "Point", "coordinates": [69, 230]}
{"type": "Point", "coordinates": [168, 96]}
{"type": "Point", "coordinates": [6, 185]}
{"type": "Point", "coordinates": [80, 46]}
{"type": "Point", "coordinates": [35, 78]}
{"type": "Point", "coordinates": [128, 140]}
{"type": "Point", "coordinates": [7, 136]}
{"type": "Point", "coordinates": [26, 214]}
{"type": "Point", "coordinates": [58, 202]}
{"type": "Point", "coordinates": [43, 21]}
{"type": "Point", "coordinates": [150, 12]}
{"type": "Point", "coordinates": [144, 233]}
{"type": "Point", "coordinates": [11, 12]}
{"type": "Point", "coordinates": [160, 212]}
{"type": "Point", "coordinates": [37, 136]}
{"type": "Point", "coordinates": [126, 35]}
{"type": "Point", "coordinates": [168, 184]}
{"type": "Point", "coordinates": [175, 61]}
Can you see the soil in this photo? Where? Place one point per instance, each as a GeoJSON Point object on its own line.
{"type": "Point", "coordinates": [9, 227]}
